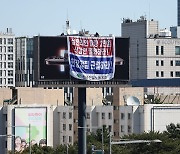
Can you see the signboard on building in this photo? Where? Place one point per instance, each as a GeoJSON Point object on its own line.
{"type": "Point", "coordinates": [91, 58]}
{"type": "Point", "coordinates": [51, 61]}
{"type": "Point", "coordinates": [30, 126]}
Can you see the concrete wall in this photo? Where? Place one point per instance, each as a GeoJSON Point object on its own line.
{"type": "Point", "coordinates": [94, 96]}
{"type": "Point", "coordinates": [9, 124]}
{"type": "Point", "coordinates": [5, 93]}
{"type": "Point", "coordinates": [40, 96]}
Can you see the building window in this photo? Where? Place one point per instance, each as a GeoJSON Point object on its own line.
{"type": "Point", "coordinates": [110, 115]}
{"type": "Point", "coordinates": [157, 50]}
{"type": "Point", "coordinates": [10, 49]}
{"type": "Point", "coordinates": [110, 128]}
{"type": "Point", "coordinates": [162, 63]}
{"type": "Point", "coordinates": [10, 72]}
{"type": "Point", "coordinates": [129, 116]}
{"type": "Point", "coordinates": [116, 107]}
{"type": "Point", "coordinates": [64, 126]}
{"type": "Point", "coordinates": [64, 115]}
{"type": "Point", "coordinates": [162, 74]}
{"type": "Point", "coordinates": [4, 40]}
{"type": "Point", "coordinates": [10, 65]}
{"type": "Point", "coordinates": [177, 63]}
{"type": "Point", "coordinates": [64, 138]}
{"type": "Point", "coordinates": [177, 74]}
{"type": "Point", "coordinates": [157, 74]}
{"type": "Point", "coordinates": [171, 74]}
{"type": "Point", "coordinates": [0, 73]}
{"type": "Point", "coordinates": [129, 129]}
{"type": "Point", "coordinates": [157, 62]}
{"type": "Point", "coordinates": [177, 50]}
{"type": "Point", "coordinates": [70, 139]}
{"type": "Point", "coordinates": [0, 49]}
{"type": "Point", "coordinates": [122, 115]}
{"type": "Point", "coordinates": [0, 40]}
{"type": "Point", "coordinates": [116, 121]}
{"type": "Point", "coordinates": [122, 128]}
{"type": "Point", "coordinates": [70, 115]}
{"type": "Point", "coordinates": [103, 115]}
{"type": "Point", "coordinates": [10, 41]}
{"type": "Point", "coordinates": [70, 126]}
{"type": "Point", "coordinates": [162, 50]}
{"type": "Point", "coordinates": [87, 115]}
{"type": "Point", "coordinates": [10, 57]}
{"type": "Point", "coordinates": [0, 80]}
{"type": "Point", "coordinates": [10, 80]}
{"type": "Point", "coordinates": [171, 62]}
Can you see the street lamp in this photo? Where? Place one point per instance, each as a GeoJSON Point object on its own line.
{"type": "Point", "coordinates": [133, 142]}
{"type": "Point", "coordinates": [102, 135]}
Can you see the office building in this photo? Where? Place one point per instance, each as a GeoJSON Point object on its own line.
{"type": "Point", "coordinates": [178, 12]}
{"type": "Point", "coordinates": [154, 55]}
{"type": "Point", "coordinates": [7, 59]}
{"type": "Point", "coordinates": [24, 62]}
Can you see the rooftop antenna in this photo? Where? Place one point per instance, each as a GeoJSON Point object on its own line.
{"type": "Point", "coordinates": [80, 25]}
{"type": "Point", "coordinates": [68, 29]}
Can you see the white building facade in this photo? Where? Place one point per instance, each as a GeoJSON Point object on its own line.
{"type": "Point", "coordinates": [7, 59]}
{"type": "Point", "coordinates": [153, 53]}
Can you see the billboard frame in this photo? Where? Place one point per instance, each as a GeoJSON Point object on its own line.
{"type": "Point", "coordinates": [71, 82]}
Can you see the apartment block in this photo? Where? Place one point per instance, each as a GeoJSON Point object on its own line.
{"type": "Point", "coordinates": [7, 59]}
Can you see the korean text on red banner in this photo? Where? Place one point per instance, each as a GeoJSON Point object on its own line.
{"type": "Point", "coordinates": [91, 58]}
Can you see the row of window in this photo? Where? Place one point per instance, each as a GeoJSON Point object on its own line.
{"type": "Point", "coordinates": [160, 50]}
{"type": "Point", "coordinates": [161, 63]}
{"type": "Point", "coordinates": [69, 139]}
{"type": "Point", "coordinates": [10, 81]}
{"type": "Point", "coordinates": [123, 116]}
{"type": "Point", "coordinates": [64, 115]}
{"type": "Point", "coordinates": [172, 74]}
{"type": "Point", "coordinates": [6, 73]}
{"type": "Point", "coordinates": [6, 57]}
{"type": "Point", "coordinates": [3, 65]}
{"type": "Point", "coordinates": [64, 127]}
{"type": "Point", "coordinates": [128, 129]}
{"type": "Point", "coordinates": [6, 40]}
{"type": "Point", "coordinates": [6, 49]}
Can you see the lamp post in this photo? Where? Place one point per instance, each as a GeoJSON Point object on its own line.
{"type": "Point", "coordinates": [102, 135]}
{"type": "Point", "coordinates": [133, 142]}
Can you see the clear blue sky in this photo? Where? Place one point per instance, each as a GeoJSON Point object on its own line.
{"type": "Point", "coordinates": [47, 17]}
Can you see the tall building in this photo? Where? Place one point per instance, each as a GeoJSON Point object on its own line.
{"type": "Point", "coordinates": [24, 62]}
{"type": "Point", "coordinates": [153, 53]}
{"type": "Point", "coordinates": [178, 12]}
{"type": "Point", "coordinates": [7, 59]}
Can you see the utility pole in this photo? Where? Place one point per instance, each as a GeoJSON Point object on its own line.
{"type": "Point", "coordinates": [29, 138]}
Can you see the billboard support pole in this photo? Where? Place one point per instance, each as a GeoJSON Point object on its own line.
{"type": "Point", "coordinates": [81, 120]}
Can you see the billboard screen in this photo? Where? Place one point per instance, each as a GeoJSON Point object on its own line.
{"type": "Point", "coordinates": [51, 54]}
{"type": "Point", "coordinates": [36, 118]}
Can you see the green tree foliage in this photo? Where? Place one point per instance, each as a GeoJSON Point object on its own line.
{"type": "Point", "coordinates": [170, 143]}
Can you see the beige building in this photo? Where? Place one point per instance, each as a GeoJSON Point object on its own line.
{"type": "Point", "coordinates": [62, 118]}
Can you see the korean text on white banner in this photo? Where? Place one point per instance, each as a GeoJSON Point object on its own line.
{"type": "Point", "coordinates": [91, 58]}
